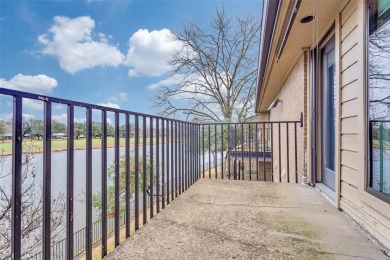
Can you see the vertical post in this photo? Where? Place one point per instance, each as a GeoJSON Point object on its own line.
{"type": "Point", "coordinates": [296, 153]}
{"type": "Point", "coordinates": [257, 152]}
{"type": "Point", "coordinates": [216, 153]}
{"type": "Point", "coordinates": [381, 150]}
{"type": "Point", "coordinates": [223, 177]}
{"type": "Point", "coordinates": [203, 148]}
{"type": "Point", "coordinates": [272, 152]}
{"type": "Point", "coordinates": [172, 163]}
{"type": "Point", "coordinates": [88, 229]}
{"type": "Point", "coordinates": [250, 150]}
{"type": "Point", "coordinates": [151, 167]}
{"type": "Point", "coordinates": [69, 182]}
{"type": "Point", "coordinates": [46, 219]}
{"type": "Point", "coordinates": [168, 170]}
{"type": "Point", "coordinates": [288, 154]}
{"type": "Point", "coordinates": [242, 167]}
{"type": "Point", "coordinates": [176, 159]}
{"type": "Point", "coordinates": [144, 199]}
{"type": "Point", "coordinates": [209, 145]}
{"type": "Point", "coordinates": [183, 157]}
{"type": "Point", "coordinates": [136, 172]}
{"type": "Point", "coordinates": [127, 181]}
{"type": "Point", "coordinates": [158, 163]}
{"type": "Point", "coordinates": [228, 150]}
{"type": "Point", "coordinates": [163, 172]}
{"type": "Point", "coordinates": [104, 183]}
{"type": "Point", "coordinates": [179, 154]}
{"type": "Point", "coordinates": [264, 153]}
{"type": "Point", "coordinates": [280, 155]}
{"type": "Point", "coordinates": [235, 152]}
{"type": "Point", "coordinates": [116, 180]}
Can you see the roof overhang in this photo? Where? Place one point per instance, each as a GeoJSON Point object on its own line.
{"type": "Point", "coordinates": [283, 39]}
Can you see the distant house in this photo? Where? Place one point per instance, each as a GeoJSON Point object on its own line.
{"type": "Point", "coordinates": [330, 61]}
{"type": "Point", "coordinates": [59, 135]}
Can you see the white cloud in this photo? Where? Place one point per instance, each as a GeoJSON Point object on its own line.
{"type": "Point", "coordinates": [32, 104]}
{"type": "Point", "coordinates": [40, 84]}
{"type": "Point", "coordinates": [71, 41]}
{"type": "Point", "coordinates": [168, 82]}
{"type": "Point", "coordinates": [121, 96]}
{"type": "Point", "coordinates": [149, 52]}
{"type": "Point", "coordinates": [109, 104]}
{"type": "Point", "coordinates": [62, 118]}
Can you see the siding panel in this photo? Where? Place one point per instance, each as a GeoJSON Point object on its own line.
{"type": "Point", "coordinates": [348, 125]}
{"type": "Point", "coordinates": [348, 108]}
{"type": "Point", "coordinates": [349, 42]}
{"type": "Point", "coordinates": [348, 142]}
{"type": "Point", "coordinates": [349, 75]}
{"type": "Point", "coordinates": [349, 158]}
{"type": "Point", "coordinates": [349, 25]}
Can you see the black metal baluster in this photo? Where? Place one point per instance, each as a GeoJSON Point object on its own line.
{"type": "Point", "coordinates": [272, 151]}
{"type": "Point", "coordinates": [296, 156]}
{"type": "Point", "coordinates": [104, 183]}
{"type": "Point", "coordinates": [250, 150]}
{"type": "Point", "coordinates": [69, 182]}
{"type": "Point", "coordinates": [88, 230]}
{"type": "Point", "coordinates": [127, 181]}
{"type": "Point", "coordinates": [223, 177]}
{"type": "Point", "coordinates": [116, 180]}
{"type": "Point", "coordinates": [257, 152]}
{"type": "Point", "coordinates": [168, 170]}
{"type": "Point", "coordinates": [209, 146]}
{"type": "Point", "coordinates": [151, 188]}
{"type": "Point", "coordinates": [158, 163]}
{"type": "Point", "coordinates": [144, 168]}
{"type": "Point", "coordinates": [136, 171]}
{"type": "Point", "coordinates": [46, 219]}
{"type": "Point", "coordinates": [172, 163]}
{"type": "Point", "coordinates": [280, 155]}
{"type": "Point", "coordinates": [179, 154]}
{"type": "Point", "coordinates": [242, 169]}
{"type": "Point", "coordinates": [176, 169]}
{"type": "Point", "coordinates": [264, 153]}
{"type": "Point", "coordinates": [203, 148]}
{"type": "Point", "coordinates": [163, 172]}
{"type": "Point", "coordinates": [288, 154]}
{"type": "Point", "coordinates": [235, 152]}
{"type": "Point", "coordinates": [216, 154]}
{"type": "Point", "coordinates": [228, 150]}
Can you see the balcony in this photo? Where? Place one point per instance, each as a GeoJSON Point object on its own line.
{"type": "Point", "coordinates": [219, 219]}
{"type": "Point", "coordinates": [227, 190]}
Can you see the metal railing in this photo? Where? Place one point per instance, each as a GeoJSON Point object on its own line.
{"type": "Point", "coordinates": [165, 152]}
{"type": "Point", "coordinates": [379, 143]}
{"type": "Point", "coordinates": [252, 151]}
{"type": "Point", "coordinates": [162, 158]}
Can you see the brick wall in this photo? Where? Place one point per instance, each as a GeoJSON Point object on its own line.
{"type": "Point", "coordinates": [292, 94]}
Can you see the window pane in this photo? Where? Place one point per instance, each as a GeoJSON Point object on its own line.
{"type": "Point", "coordinates": [379, 94]}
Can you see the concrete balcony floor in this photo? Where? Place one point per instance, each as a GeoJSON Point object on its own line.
{"type": "Point", "coordinates": [222, 219]}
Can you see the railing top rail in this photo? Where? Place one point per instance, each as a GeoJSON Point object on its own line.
{"type": "Point", "coordinates": [253, 123]}
{"type": "Point", "coordinates": [380, 121]}
{"type": "Point", "coordinates": [22, 94]}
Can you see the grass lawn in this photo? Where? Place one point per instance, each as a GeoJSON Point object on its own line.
{"type": "Point", "coordinates": [60, 144]}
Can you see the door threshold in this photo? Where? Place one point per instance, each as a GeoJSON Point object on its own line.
{"type": "Point", "coordinates": [326, 191]}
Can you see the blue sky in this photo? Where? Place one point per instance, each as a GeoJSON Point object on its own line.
{"type": "Point", "coordinates": [101, 52]}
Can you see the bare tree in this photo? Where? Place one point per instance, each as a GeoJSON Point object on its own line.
{"type": "Point", "coordinates": [32, 203]}
{"type": "Point", "coordinates": [378, 72]}
{"type": "Point", "coordinates": [214, 70]}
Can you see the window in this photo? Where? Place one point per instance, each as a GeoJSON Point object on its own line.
{"type": "Point", "coordinates": [379, 97]}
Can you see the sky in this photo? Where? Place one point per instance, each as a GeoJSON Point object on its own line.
{"type": "Point", "coordinates": [112, 53]}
